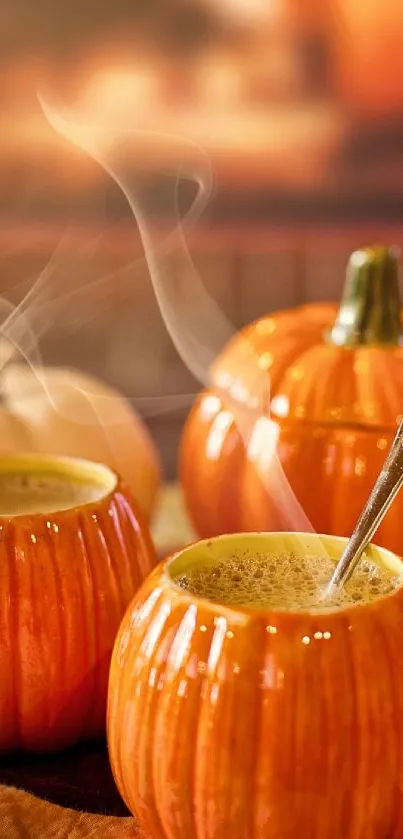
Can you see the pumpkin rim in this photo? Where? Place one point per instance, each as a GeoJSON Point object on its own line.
{"type": "Point", "coordinates": [77, 468]}
{"type": "Point", "coordinates": [245, 613]}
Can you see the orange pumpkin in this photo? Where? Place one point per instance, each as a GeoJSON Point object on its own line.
{"type": "Point", "coordinates": [230, 723]}
{"type": "Point", "coordinates": [336, 397]}
{"type": "Point", "coordinates": [66, 579]}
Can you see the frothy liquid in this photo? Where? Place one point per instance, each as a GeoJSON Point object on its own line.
{"type": "Point", "coordinates": [22, 493]}
{"type": "Point", "coordinates": [287, 582]}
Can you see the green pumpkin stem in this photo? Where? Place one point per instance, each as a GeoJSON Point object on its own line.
{"type": "Point", "coordinates": [370, 308]}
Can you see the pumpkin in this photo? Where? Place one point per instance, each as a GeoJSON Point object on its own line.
{"type": "Point", "coordinates": [233, 722]}
{"type": "Point", "coordinates": [66, 578]}
{"type": "Point", "coordinates": [66, 412]}
{"type": "Point", "coordinates": [336, 398]}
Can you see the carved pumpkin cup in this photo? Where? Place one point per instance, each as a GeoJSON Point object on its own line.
{"type": "Point", "coordinates": [74, 550]}
{"type": "Point", "coordinates": [233, 722]}
{"type": "Point", "coordinates": [335, 377]}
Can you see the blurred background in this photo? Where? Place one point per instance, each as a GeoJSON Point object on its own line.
{"type": "Point", "coordinates": [299, 108]}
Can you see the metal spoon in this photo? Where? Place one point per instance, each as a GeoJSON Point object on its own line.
{"type": "Point", "coordinates": [388, 483]}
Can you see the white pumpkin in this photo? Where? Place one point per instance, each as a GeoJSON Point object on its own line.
{"type": "Point", "coordinates": [63, 411]}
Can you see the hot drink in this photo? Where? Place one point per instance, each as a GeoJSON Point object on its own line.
{"type": "Point", "coordinates": [268, 721]}
{"type": "Point", "coordinates": [73, 554]}
{"type": "Point", "coordinates": [28, 492]}
{"type": "Point", "coordinates": [285, 581]}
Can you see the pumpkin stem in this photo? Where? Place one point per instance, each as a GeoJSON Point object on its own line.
{"type": "Point", "coordinates": [370, 308]}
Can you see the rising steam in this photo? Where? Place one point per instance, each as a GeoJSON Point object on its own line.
{"type": "Point", "coordinates": [196, 324]}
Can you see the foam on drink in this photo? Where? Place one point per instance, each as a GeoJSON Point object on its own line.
{"type": "Point", "coordinates": [286, 581]}
{"type": "Point", "coordinates": [23, 492]}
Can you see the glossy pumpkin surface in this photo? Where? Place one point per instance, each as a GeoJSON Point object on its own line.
{"type": "Point", "coordinates": [330, 380]}
{"type": "Point", "coordinates": [66, 579]}
{"type": "Point", "coordinates": [233, 723]}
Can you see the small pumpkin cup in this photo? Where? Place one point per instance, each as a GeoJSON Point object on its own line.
{"type": "Point", "coordinates": [73, 551]}
{"type": "Point", "coordinates": [238, 723]}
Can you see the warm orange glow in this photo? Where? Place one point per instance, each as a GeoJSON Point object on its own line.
{"type": "Point", "coordinates": [113, 91]}
{"type": "Point", "coordinates": [249, 11]}
{"type": "Point", "coordinates": [220, 82]}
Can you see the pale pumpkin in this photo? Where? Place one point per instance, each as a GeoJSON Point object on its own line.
{"type": "Point", "coordinates": [62, 411]}
{"type": "Point", "coordinates": [230, 722]}
{"type": "Point", "coordinates": [335, 378]}
{"type": "Point", "coordinates": [66, 578]}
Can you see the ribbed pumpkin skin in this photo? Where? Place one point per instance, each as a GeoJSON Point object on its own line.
{"type": "Point", "coordinates": [336, 410]}
{"type": "Point", "coordinates": [65, 581]}
{"type": "Point", "coordinates": [225, 723]}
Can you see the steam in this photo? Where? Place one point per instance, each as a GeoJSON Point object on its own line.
{"type": "Point", "coordinates": [23, 325]}
{"type": "Point", "coordinates": [197, 326]}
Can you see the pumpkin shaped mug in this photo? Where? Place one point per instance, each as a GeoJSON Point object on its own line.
{"type": "Point", "coordinates": [74, 549]}
{"type": "Point", "coordinates": [230, 721]}
{"type": "Point", "coordinates": [335, 376]}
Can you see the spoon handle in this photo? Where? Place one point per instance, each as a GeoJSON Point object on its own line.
{"type": "Point", "coordinates": [388, 483]}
